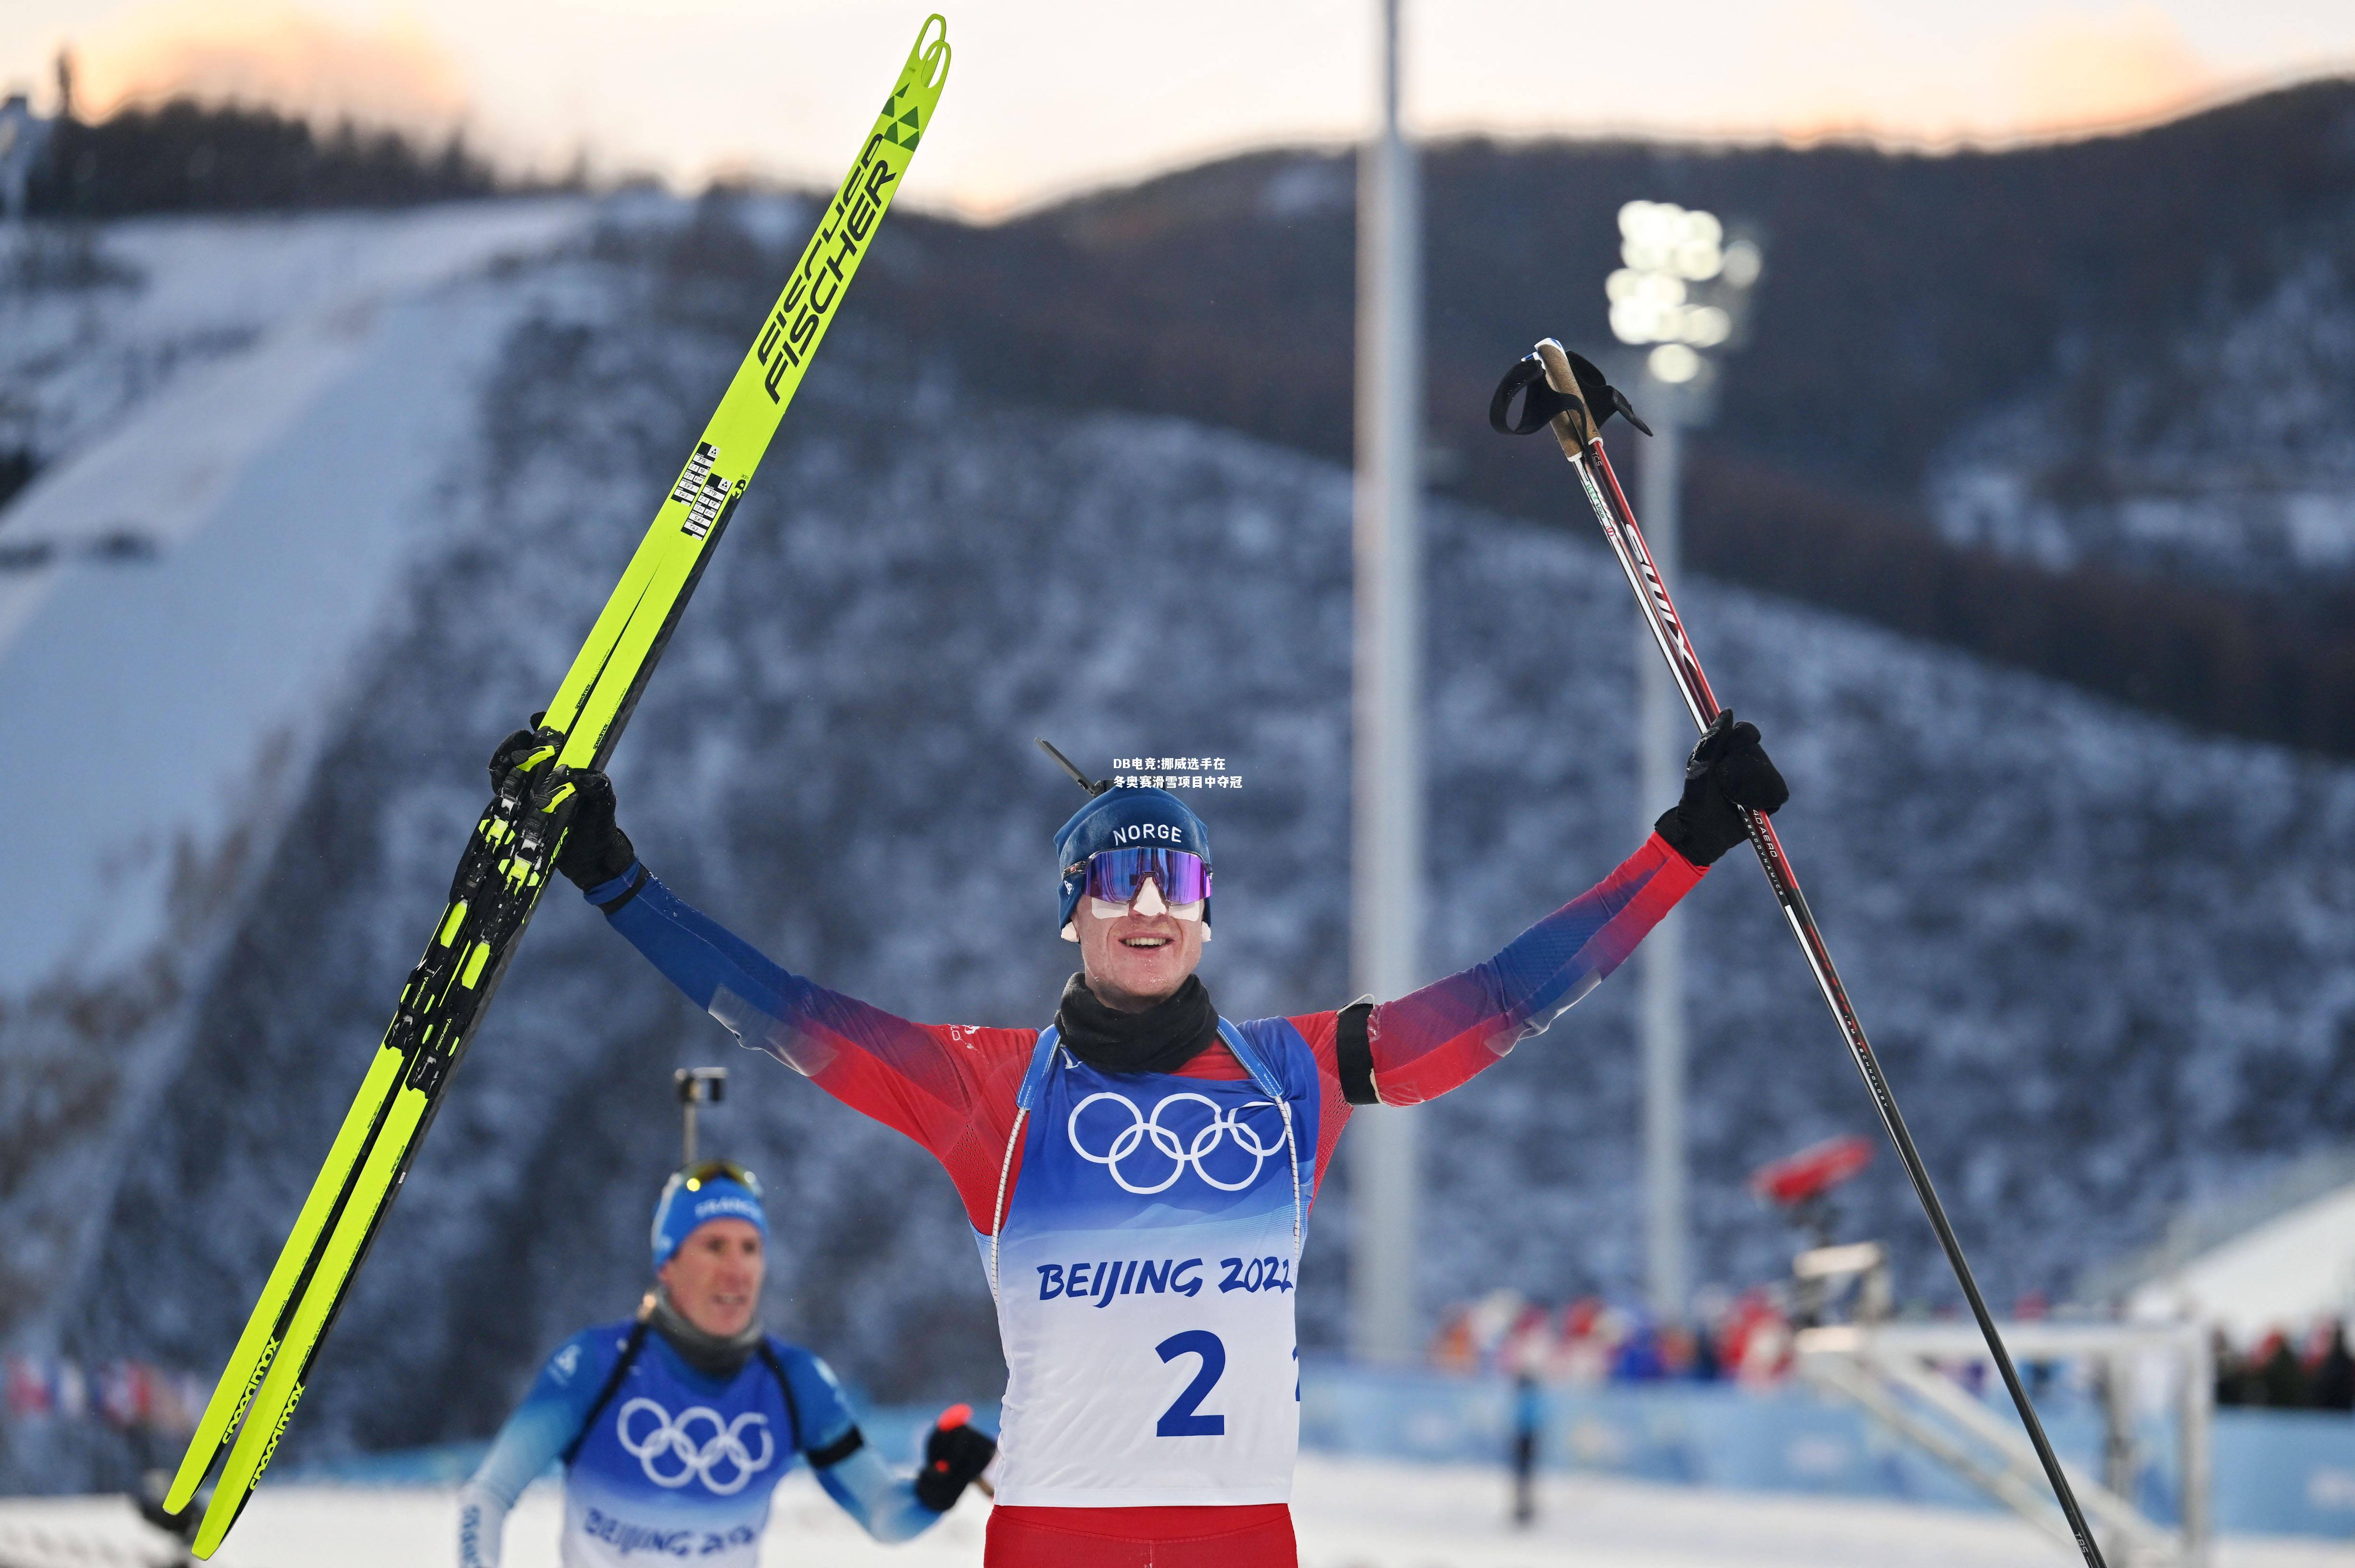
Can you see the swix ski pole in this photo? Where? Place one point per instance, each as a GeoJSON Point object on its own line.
{"type": "Point", "coordinates": [1569, 396]}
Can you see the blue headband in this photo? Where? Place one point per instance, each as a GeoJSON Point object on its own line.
{"type": "Point", "coordinates": [683, 1209]}
{"type": "Point", "coordinates": [1124, 819]}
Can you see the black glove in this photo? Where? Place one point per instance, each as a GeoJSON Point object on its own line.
{"type": "Point", "coordinates": [1727, 772]}
{"type": "Point", "coordinates": [956, 1454]}
{"type": "Point", "coordinates": [595, 850]}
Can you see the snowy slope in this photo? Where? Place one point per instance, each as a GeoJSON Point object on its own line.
{"type": "Point", "coordinates": [2103, 957]}
{"type": "Point", "coordinates": [245, 452]}
{"type": "Point", "coordinates": [206, 553]}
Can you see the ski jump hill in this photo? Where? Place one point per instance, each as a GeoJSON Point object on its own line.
{"type": "Point", "coordinates": [326, 503]}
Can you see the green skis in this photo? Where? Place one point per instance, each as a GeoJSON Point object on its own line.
{"type": "Point", "coordinates": [511, 853]}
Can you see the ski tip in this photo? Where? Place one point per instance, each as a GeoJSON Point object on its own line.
{"type": "Point", "coordinates": [929, 63]}
{"type": "Point", "coordinates": [204, 1447]}
{"type": "Point", "coordinates": [215, 1529]}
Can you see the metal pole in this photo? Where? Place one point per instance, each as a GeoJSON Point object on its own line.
{"type": "Point", "coordinates": [696, 1086]}
{"type": "Point", "coordinates": [1385, 822]}
{"type": "Point", "coordinates": [2196, 1415]}
{"type": "Point", "coordinates": [1663, 732]}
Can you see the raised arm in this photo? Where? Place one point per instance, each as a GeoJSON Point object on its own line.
{"type": "Point", "coordinates": [950, 1088]}
{"type": "Point", "coordinates": [1429, 1042]}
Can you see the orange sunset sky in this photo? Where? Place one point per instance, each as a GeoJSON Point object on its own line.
{"type": "Point", "coordinates": [1049, 97]}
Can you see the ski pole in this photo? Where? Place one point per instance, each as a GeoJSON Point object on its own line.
{"type": "Point", "coordinates": [1569, 395]}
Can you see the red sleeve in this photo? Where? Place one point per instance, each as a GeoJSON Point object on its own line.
{"type": "Point", "coordinates": [950, 1087]}
{"type": "Point", "coordinates": [1436, 1039]}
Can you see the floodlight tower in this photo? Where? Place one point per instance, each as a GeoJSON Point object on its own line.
{"type": "Point", "coordinates": [1682, 291]}
{"type": "Point", "coordinates": [1386, 784]}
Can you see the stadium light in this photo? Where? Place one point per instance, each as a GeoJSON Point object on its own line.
{"type": "Point", "coordinates": [1658, 296]}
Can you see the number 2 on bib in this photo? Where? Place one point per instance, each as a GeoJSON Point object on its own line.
{"type": "Point", "coordinates": [1181, 1420]}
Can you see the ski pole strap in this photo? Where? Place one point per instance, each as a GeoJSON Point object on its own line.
{"type": "Point", "coordinates": [1537, 408]}
{"type": "Point", "coordinates": [834, 1453]}
{"type": "Point", "coordinates": [1353, 1053]}
{"type": "Point", "coordinates": [622, 1364]}
{"type": "Point", "coordinates": [1595, 395]}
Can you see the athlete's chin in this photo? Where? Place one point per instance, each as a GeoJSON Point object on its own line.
{"type": "Point", "coordinates": [1151, 974]}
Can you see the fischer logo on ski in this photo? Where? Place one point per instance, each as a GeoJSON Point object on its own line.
{"type": "Point", "coordinates": [802, 312]}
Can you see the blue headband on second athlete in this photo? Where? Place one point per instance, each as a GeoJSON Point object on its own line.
{"type": "Point", "coordinates": [714, 1189]}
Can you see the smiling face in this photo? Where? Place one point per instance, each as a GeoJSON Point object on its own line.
{"type": "Point", "coordinates": [1137, 954]}
{"type": "Point", "coordinates": [714, 1278]}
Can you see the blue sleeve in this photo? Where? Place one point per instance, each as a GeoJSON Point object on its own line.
{"type": "Point", "coordinates": [883, 1503]}
{"type": "Point", "coordinates": [694, 953]}
{"type": "Point", "coordinates": [534, 1437]}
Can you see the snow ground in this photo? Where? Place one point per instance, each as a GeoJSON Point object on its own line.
{"type": "Point", "coordinates": [1351, 1513]}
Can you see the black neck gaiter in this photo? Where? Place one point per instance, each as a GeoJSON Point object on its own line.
{"type": "Point", "coordinates": [707, 1353]}
{"type": "Point", "coordinates": [1162, 1039]}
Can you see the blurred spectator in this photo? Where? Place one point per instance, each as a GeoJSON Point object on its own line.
{"type": "Point", "coordinates": [1757, 1339]}
{"type": "Point", "coordinates": [2280, 1374]}
{"type": "Point", "coordinates": [2232, 1371]}
{"type": "Point", "coordinates": [1529, 1421]}
{"type": "Point", "coordinates": [1453, 1348]}
{"type": "Point", "coordinates": [1706, 1366]}
{"type": "Point", "coordinates": [1679, 1352]}
{"type": "Point", "coordinates": [2332, 1386]}
{"type": "Point", "coordinates": [133, 1395]}
{"type": "Point", "coordinates": [1590, 1341]}
{"type": "Point", "coordinates": [1639, 1359]}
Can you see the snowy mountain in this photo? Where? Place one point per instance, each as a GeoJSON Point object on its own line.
{"type": "Point", "coordinates": [2224, 452]}
{"type": "Point", "coordinates": [2103, 957]}
{"type": "Point", "coordinates": [2096, 301]}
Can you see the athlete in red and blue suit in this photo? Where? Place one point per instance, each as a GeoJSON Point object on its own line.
{"type": "Point", "coordinates": [1138, 1175]}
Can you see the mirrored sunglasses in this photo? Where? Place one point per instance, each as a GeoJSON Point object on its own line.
{"type": "Point", "coordinates": [1117, 876]}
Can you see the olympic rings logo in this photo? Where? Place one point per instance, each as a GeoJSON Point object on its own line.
{"type": "Point", "coordinates": [1181, 1153]}
{"type": "Point", "coordinates": [669, 1440]}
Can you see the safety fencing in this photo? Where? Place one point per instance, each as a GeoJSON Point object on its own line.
{"type": "Point", "coordinates": [2274, 1472]}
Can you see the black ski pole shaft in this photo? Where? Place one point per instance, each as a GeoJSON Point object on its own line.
{"type": "Point", "coordinates": [1576, 423]}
